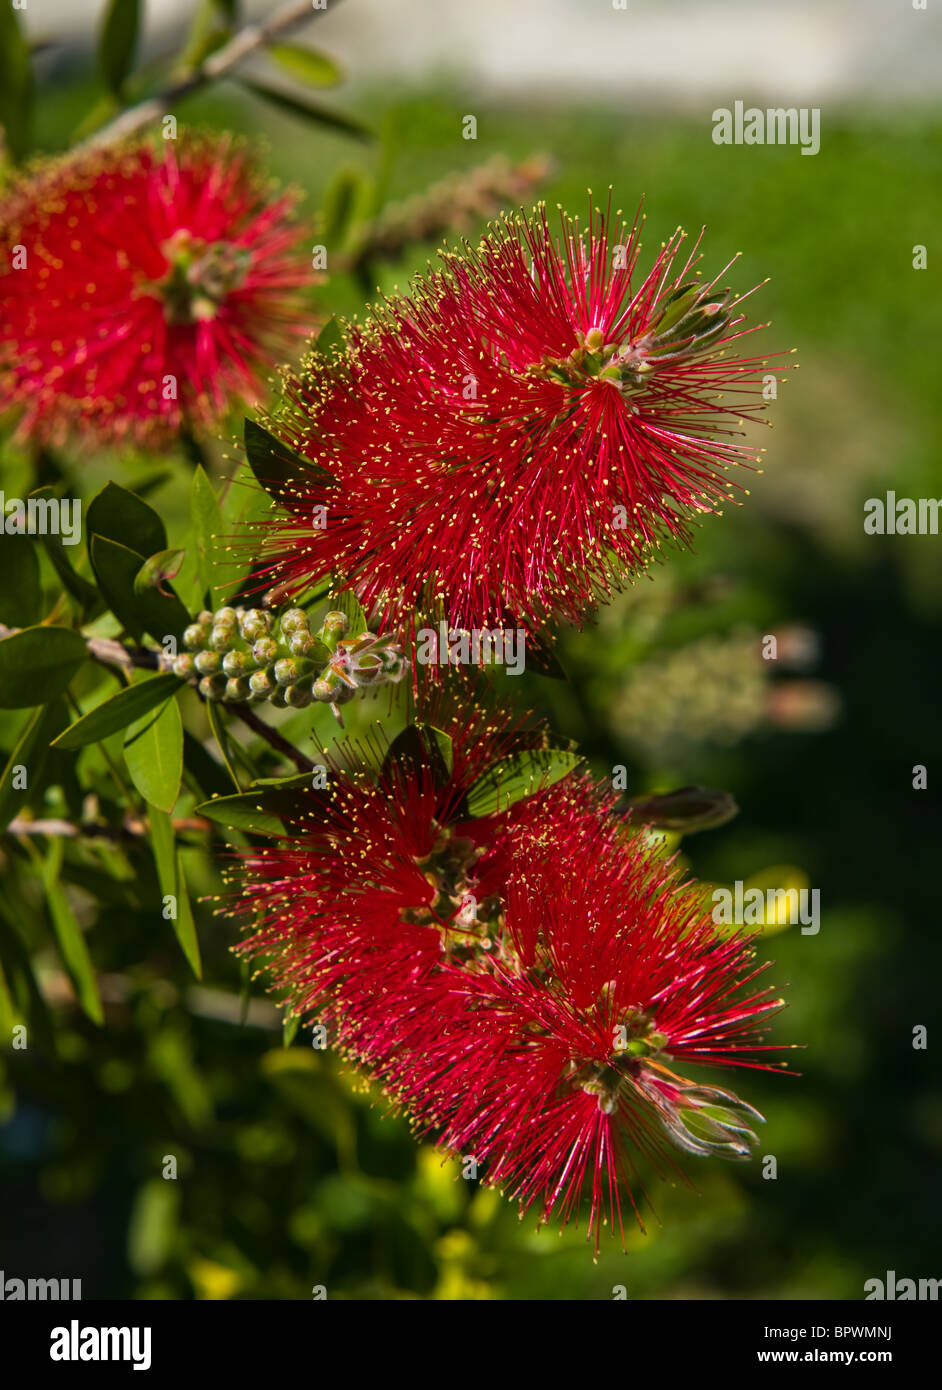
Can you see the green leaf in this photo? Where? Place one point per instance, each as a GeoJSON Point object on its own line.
{"type": "Point", "coordinates": [7, 1009]}
{"type": "Point", "coordinates": [207, 524]}
{"type": "Point", "coordinates": [16, 83]}
{"type": "Point", "coordinates": [290, 1025]}
{"type": "Point", "coordinates": [244, 811]}
{"type": "Point", "coordinates": [85, 594]}
{"type": "Point", "coordinates": [339, 205]}
{"type": "Point", "coordinates": [276, 465]}
{"type": "Point", "coordinates": [676, 305]}
{"type": "Point", "coordinates": [104, 110]}
{"type": "Point", "coordinates": [157, 569]}
{"type": "Point", "coordinates": [418, 747]}
{"type": "Point", "coordinates": [20, 972]}
{"type": "Point", "coordinates": [173, 884]}
{"type": "Point", "coordinates": [118, 41]}
{"type": "Point", "coordinates": [299, 104]}
{"type": "Point", "coordinates": [442, 743]}
{"type": "Point", "coordinates": [218, 726]}
{"type": "Point", "coordinates": [31, 751]}
{"type": "Point", "coordinates": [69, 936]}
{"type": "Point", "coordinates": [143, 487]}
{"type": "Point", "coordinates": [20, 595]}
{"type": "Point", "coordinates": [305, 63]}
{"type": "Point", "coordinates": [153, 1226]}
{"type": "Point", "coordinates": [115, 569]}
{"type": "Point", "coordinates": [185, 926]}
{"type": "Point", "coordinates": [264, 808]}
{"type": "Point", "coordinates": [121, 516]}
{"type": "Point", "coordinates": [141, 610]}
{"type": "Point", "coordinates": [521, 775]}
{"type": "Point", "coordinates": [205, 776]}
{"type": "Point", "coordinates": [330, 339]}
{"type": "Point", "coordinates": [118, 711]}
{"type": "Point", "coordinates": [153, 751]}
{"type": "Point", "coordinates": [347, 602]}
{"type": "Point", "coordinates": [541, 657]}
{"type": "Point", "coordinates": [37, 664]}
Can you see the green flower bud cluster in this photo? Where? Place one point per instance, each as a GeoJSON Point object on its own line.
{"type": "Point", "coordinates": [240, 654]}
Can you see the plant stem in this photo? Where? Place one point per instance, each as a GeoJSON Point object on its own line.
{"type": "Point", "coordinates": [247, 40]}
{"type": "Point", "coordinates": [271, 736]}
{"type": "Point", "coordinates": [115, 654]}
{"type": "Point", "coordinates": [132, 828]}
{"type": "Point", "coordinates": [111, 653]}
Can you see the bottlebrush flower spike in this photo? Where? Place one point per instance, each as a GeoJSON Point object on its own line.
{"type": "Point", "coordinates": [523, 433]}
{"type": "Point", "coordinates": [142, 291]}
{"type": "Point", "coordinates": [385, 883]}
{"type": "Point", "coordinates": [562, 1070]}
{"type": "Point", "coordinates": [541, 1031]}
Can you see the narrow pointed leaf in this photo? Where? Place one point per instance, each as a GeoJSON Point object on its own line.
{"type": "Point", "coordinates": [153, 751]}
{"type": "Point", "coordinates": [511, 779]}
{"type": "Point", "coordinates": [37, 664]}
{"type": "Point", "coordinates": [118, 711]}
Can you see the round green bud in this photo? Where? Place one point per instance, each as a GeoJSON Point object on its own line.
{"type": "Point", "coordinates": [205, 618]}
{"type": "Point", "coordinates": [225, 617]}
{"type": "Point", "coordinates": [265, 650]}
{"type": "Point", "coordinates": [183, 666]}
{"type": "Point", "coordinates": [343, 695]}
{"type": "Point", "coordinates": [261, 683]}
{"type": "Point", "coordinates": [255, 624]}
{"type": "Point", "coordinates": [213, 687]}
{"type": "Point", "coordinates": [207, 663]}
{"type": "Point", "coordinates": [193, 637]}
{"type": "Point", "coordinates": [322, 690]}
{"type": "Point", "coordinates": [237, 688]}
{"type": "Point", "coordinates": [222, 637]}
{"type": "Point", "coordinates": [237, 663]}
{"type": "Point", "coordinates": [298, 696]}
{"type": "Point", "coordinates": [335, 624]}
{"type": "Point", "coordinates": [300, 643]}
{"type": "Point", "coordinates": [290, 669]}
{"type": "Point", "coordinates": [294, 620]}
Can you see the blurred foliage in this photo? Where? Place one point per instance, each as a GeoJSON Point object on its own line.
{"type": "Point", "coordinates": [290, 1176]}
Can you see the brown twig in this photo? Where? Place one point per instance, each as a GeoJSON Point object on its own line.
{"type": "Point", "coordinates": [454, 204]}
{"type": "Point", "coordinates": [271, 736]}
{"type": "Point", "coordinates": [132, 828]}
{"type": "Point", "coordinates": [112, 653]}
{"type": "Point", "coordinates": [248, 40]}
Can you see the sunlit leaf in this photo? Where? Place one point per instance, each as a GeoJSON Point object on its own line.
{"type": "Point", "coordinates": [118, 711]}
{"type": "Point", "coordinates": [37, 664]}
{"type": "Point", "coordinates": [305, 63]}
{"type": "Point", "coordinates": [153, 751]}
{"type": "Point", "coordinates": [118, 42]}
{"type": "Point", "coordinates": [511, 779]}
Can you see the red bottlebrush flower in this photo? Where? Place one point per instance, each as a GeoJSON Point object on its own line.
{"type": "Point", "coordinates": [520, 434]}
{"type": "Point", "coordinates": [523, 985]}
{"type": "Point", "coordinates": [142, 291]}
{"type": "Point", "coordinates": [560, 1067]}
{"type": "Point", "coordinates": [385, 881]}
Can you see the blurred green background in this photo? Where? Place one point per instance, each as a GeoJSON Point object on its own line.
{"type": "Point", "coordinates": [291, 1175]}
